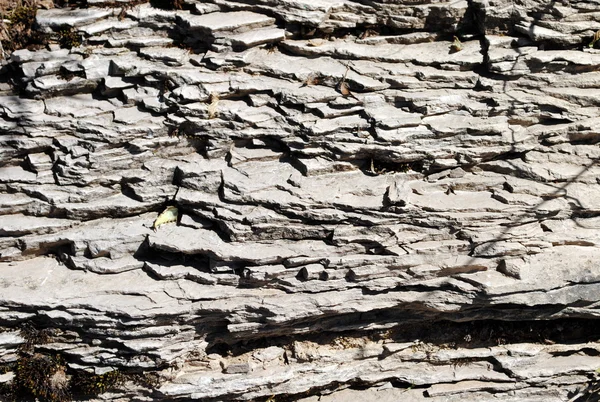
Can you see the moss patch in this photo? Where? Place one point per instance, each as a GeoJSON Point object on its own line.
{"type": "Point", "coordinates": [67, 38]}
{"type": "Point", "coordinates": [88, 385]}
{"type": "Point", "coordinates": [42, 377]}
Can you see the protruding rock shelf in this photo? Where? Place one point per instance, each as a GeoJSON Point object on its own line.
{"type": "Point", "coordinates": [367, 208]}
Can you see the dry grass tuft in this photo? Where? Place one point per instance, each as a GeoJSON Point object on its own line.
{"type": "Point", "coordinates": [16, 26]}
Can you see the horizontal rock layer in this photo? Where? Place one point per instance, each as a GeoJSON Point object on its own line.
{"type": "Point", "coordinates": [366, 194]}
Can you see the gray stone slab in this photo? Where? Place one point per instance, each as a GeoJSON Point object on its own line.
{"type": "Point", "coordinates": [257, 37]}
{"type": "Point", "coordinates": [18, 225]}
{"type": "Point", "coordinates": [238, 21]}
{"type": "Point", "coordinates": [107, 24]}
{"type": "Point", "coordinates": [56, 18]}
{"type": "Point", "coordinates": [15, 107]}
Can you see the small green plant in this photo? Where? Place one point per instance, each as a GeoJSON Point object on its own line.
{"type": "Point", "coordinates": [89, 385]}
{"type": "Point", "coordinates": [42, 377]}
{"type": "Point", "coordinates": [67, 38]}
{"type": "Point", "coordinates": [595, 39]}
{"type": "Point", "coordinates": [23, 14]}
{"type": "Point", "coordinates": [146, 380]}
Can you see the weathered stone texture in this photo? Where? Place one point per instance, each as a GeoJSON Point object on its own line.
{"type": "Point", "coordinates": [360, 203]}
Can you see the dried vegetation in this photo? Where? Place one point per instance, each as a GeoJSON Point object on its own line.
{"type": "Point", "coordinates": [16, 26]}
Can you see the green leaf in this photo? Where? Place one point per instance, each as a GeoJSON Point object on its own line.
{"type": "Point", "coordinates": [169, 215]}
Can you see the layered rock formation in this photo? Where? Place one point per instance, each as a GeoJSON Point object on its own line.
{"type": "Point", "coordinates": [375, 199]}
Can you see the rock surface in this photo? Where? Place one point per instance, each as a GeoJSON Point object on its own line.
{"type": "Point", "coordinates": [365, 211]}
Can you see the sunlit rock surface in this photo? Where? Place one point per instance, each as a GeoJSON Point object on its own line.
{"type": "Point", "coordinates": [366, 211]}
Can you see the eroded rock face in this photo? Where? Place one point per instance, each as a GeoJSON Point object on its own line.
{"type": "Point", "coordinates": [360, 201]}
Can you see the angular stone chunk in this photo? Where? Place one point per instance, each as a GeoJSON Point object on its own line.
{"type": "Point", "coordinates": [25, 55]}
{"type": "Point", "coordinates": [422, 53]}
{"type": "Point", "coordinates": [140, 42]}
{"type": "Point", "coordinates": [19, 225]}
{"type": "Point", "coordinates": [309, 94]}
{"type": "Point", "coordinates": [199, 241]}
{"type": "Point", "coordinates": [54, 85]}
{"type": "Point", "coordinates": [103, 265]}
{"type": "Point", "coordinates": [115, 83]}
{"type": "Point", "coordinates": [16, 174]}
{"type": "Point", "coordinates": [539, 366]}
{"type": "Point", "coordinates": [398, 193]}
{"type": "Point", "coordinates": [257, 37]}
{"type": "Point", "coordinates": [40, 68]}
{"type": "Point", "coordinates": [39, 162]}
{"type": "Point", "coordinates": [389, 117]}
{"type": "Point", "coordinates": [146, 12]}
{"type": "Point", "coordinates": [238, 21]}
{"type": "Point", "coordinates": [542, 34]}
{"type": "Point", "coordinates": [469, 386]}
{"type": "Point", "coordinates": [80, 105]}
{"type": "Point", "coordinates": [129, 115]}
{"type": "Point", "coordinates": [15, 107]}
{"type": "Point", "coordinates": [107, 24]}
{"type": "Point", "coordinates": [56, 18]}
{"type": "Point", "coordinates": [170, 56]}
{"type": "Point", "coordinates": [317, 166]}
{"type": "Point", "coordinates": [512, 267]}
{"type": "Point", "coordinates": [117, 205]}
{"type": "Point", "coordinates": [48, 281]}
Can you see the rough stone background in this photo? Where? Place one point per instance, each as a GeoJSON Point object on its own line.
{"type": "Point", "coordinates": [368, 209]}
